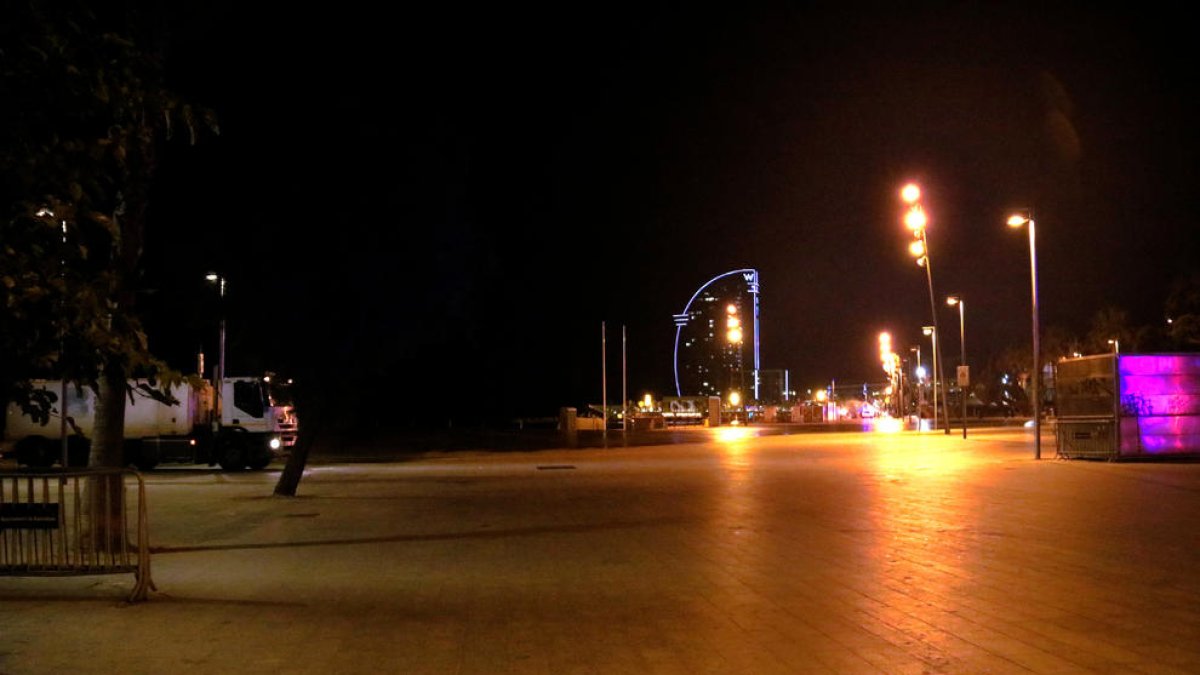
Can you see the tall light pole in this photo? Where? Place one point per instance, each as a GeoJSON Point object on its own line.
{"type": "Point", "coordinates": [916, 220]}
{"type": "Point", "coordinates": [733, 334]}
{"type": "Point", "coordinates": [219, 280]}
{"type": "Point", "coordinates": [932, 332]}
{"type": "Point", "coordinates": [62, 341]}
{"type": "Point", "coordinates": [919, 373]}
{"type": "Point", "coordinates": [1116, 345]}
{"type": "Point", "coordinates": [1017, 220]}
{"type": "Point", "coordinates": [624, 387]}
{"type": "Point", "coordinates": [962, 362]}
{"type": "Point", "coordinates": [604, 384]}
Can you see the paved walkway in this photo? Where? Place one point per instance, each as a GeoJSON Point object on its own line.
{"type": "Point", "coordinates": [845, 553]}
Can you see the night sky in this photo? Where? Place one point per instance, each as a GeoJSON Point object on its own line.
{"type": "Point", "coordinates": [438, 207]}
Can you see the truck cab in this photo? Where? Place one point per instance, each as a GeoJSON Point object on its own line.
{"type": "Point", "coordinates": [255, 422]}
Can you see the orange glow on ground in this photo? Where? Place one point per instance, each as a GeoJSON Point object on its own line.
{"type": "Point", "coordinates": [887, 425]}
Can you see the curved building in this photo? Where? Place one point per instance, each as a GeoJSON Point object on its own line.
{"type": "Point", "coordinates": [716, 338]}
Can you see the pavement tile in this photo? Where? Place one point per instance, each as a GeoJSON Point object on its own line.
{"type": "Point", "coordinates": [839, 553]}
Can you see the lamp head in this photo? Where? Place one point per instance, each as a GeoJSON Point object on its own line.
{"type": "Point", "coordinates": [915, 218]}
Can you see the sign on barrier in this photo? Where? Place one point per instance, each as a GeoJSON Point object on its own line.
{"type": "Point", "coordinates": [28, 516]}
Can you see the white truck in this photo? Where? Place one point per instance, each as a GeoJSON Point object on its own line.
{"type": "Point", "coordinates": [251, 424]}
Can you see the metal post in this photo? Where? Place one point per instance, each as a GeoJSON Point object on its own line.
{"type": "Point", "coordinates": [938, 375]}
{"type": "Point", "coordinates": [933, 335]}
{"type": "Point", "coordinates": [63, 422]}
{"type": "Point", "coordinates": [962, 342]}
{"type": "Point", "coordinates": [63, 355]}
{"type": "Point", "coordinates": [603, 385]}
{"type": "Point", "coordinates": [221, 354]}
{"type": "Point", "coordinates": [62, 349]}
{"type": "Point", "coordinates": [1037, 366]}
{"type": "Point", "coordinates": [624, 387]}
{"type": "Point", "coordinates": [918, 386]}
{"type": "Point", "coordinates": [219, 376]}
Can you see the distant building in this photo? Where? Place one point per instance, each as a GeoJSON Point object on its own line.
{"type": "Point", "coordinates": [716, 338]}
{"type": "Point", "coordinates": [773, 386]}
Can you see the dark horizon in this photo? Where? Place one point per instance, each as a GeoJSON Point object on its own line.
{"type": "Point", "coordinates": [444, 207]}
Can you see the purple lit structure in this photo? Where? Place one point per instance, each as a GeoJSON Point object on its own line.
{"type": "Point", "coordinates": [1118, 406]}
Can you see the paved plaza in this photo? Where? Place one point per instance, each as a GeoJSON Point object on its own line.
{"type": "Point", "coordinates": [830, 553]}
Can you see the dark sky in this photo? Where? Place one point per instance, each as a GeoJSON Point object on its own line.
{"type": "Point", "coordinates": [445, 204]}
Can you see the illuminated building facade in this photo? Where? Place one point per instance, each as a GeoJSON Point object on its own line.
{"type": "Point", "coordinates": [716, 338]}
{"type": "Point", "coordinates": [1112, 406]}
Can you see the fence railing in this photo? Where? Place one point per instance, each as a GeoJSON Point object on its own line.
{"type": "Point", "coordinates": [74, 523]}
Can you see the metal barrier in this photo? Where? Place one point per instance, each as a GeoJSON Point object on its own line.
{"type": "Point", "coordinates": [73, 523]}
{"type": "Point", "coordinates": [1087, 438]}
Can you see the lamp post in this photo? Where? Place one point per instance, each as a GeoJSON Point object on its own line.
{"type": "Point", "coordinates": [916, 220]}
{"type": "Point", "coordinates": [734, 336]}
{"type": "Point", "coordinates": [213, 277]}
{"type": "Point", "coordinates": [919, 373]}
{"type": "Point", "coordinates": [1116, 343]}
{"type": "Point", "coordinates": [931, 331]}
{"type": "Point", "coordinates": [62, 340]}
{"type": "Point", "coordinates": [624, 387]}
{"type": "Point", "coordinates": [962, 342]}
{"type": "Point", "coordinates": [1017, 220]}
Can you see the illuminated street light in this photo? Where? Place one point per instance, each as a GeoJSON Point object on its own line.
{"type": "Point", "coordinates": [733, 324]}
{"type": "Point", "coordinates": [932, 332]}
{"type": "Point", "coordinates": [213, 277]}
{"type": "Point", "coordinates": [63, 413]}
{"type": "Point", "coordinates": [962, 342]}
{"type": "Point", "coordinates": [919, 376]}
{"type": "Point", "coordinates": [1017, 220]}
{"type": "Point", "coordinates": [1116, 345]}
{"type": "Point", "coordinates": [734, 336]}
{"type": "Point", "coordinates": [917, 221]}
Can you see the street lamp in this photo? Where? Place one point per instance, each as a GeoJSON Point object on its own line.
{"type": "Point", "coordinates": [963, 383]}
{"type": "Point", "coordinates": [1017, 220]}
{"type": "Point", "coordinates": [62, 339]}
{"type": "Point", "coordinates": [916, 220]}
{"type": "Point", "coordinates": [734, 336]}
{"type": "Point", "coordinates": [213, 277]}
{"type": "Point", "coordinates": [891, 365]}
{"type": "Point", "coordinates": [1116, 345]}
{"type": "Point", "coordinates": [919, 376]}
{"type": "Point", "coordinates": [931, 331]}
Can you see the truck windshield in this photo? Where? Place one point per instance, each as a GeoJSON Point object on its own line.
{"type": "Point", "coordinates": [279, 393]}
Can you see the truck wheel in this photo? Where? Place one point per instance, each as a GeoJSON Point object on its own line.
{"type": "Point", "coordinates": [260, 459]}
{"type": "Point", "coordinates": [34, 451]}
{"type": "Point", "coordinates": [232, 455]}
{"type": "Point", "coordinates": [78, 450]}
{"type": "Point", "coordinates": [142, 455]}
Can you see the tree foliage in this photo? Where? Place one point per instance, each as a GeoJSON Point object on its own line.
{"type": "Point", "coordinates": [1183, 311]}
{"type": "Point", "coordinates": [85, 112]}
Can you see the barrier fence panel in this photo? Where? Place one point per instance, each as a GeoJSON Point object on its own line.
{"type": "Point", "coordinates": [74, 523]}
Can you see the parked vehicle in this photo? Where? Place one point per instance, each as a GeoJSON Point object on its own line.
{"type": "Point", "coordinates": [249, 425]}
